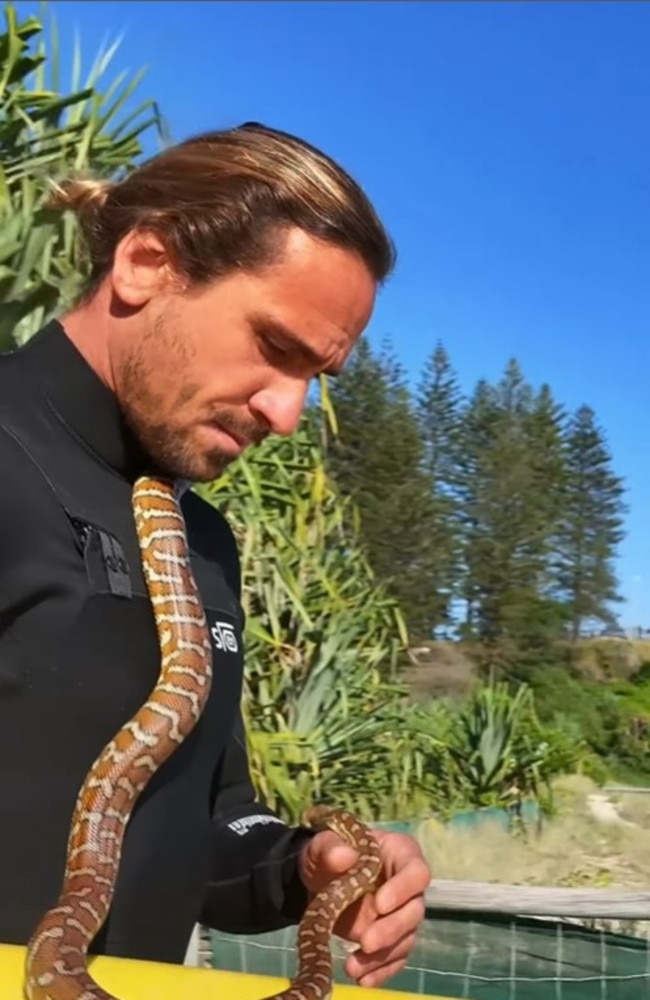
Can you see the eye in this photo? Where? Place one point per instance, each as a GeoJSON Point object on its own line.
{"type": "Point", "coordinates": [279, 353]}
{"type": "Point", "coordinates": [272, 346]}
{"type": "Point", "coordinates": [268, 342]}
{"type": "Point", "coordinates": [287, 352]}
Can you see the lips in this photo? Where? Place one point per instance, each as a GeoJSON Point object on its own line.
{"type": "Point", "coordinates": [254, 435]}
{"type": "Point", "coordinates": [237, 441]}
{"type": "Point", "coordinates": [241, 434]}
{"type": "Point", "coordinates": [241, 441]}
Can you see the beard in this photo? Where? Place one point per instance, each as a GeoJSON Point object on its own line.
{"type": "Point", "coordinates": [171, 452]}
{"type": "Point", "coordinates": [170, 445]}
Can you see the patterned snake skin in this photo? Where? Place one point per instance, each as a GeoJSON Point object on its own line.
{"type": "Point", "coordinates": [57, 951]}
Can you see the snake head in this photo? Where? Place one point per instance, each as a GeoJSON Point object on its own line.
{"type": "Point", "coordinates": [317, 817]}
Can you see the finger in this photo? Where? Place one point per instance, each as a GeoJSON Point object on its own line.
{"type": "Point", "coordinates": [397, 849]}
{"type": "Point", "coordinates": [408, 881]}
{"type": "Point", "coordinates": [380, 976]}
{"type": "Point", "coordinates": [384, 916]}
{"type": "Point", "coordinates": [356, 919]}
{"type": "Point", "coordinates": [324, 857]}
{"type": "Point", "coordinates": [360, 965]}
{"type": "Point", "coordinates": [385, 930]}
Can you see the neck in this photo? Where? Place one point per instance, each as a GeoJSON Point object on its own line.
{"type": "Point", "coordinates": [89, 326]}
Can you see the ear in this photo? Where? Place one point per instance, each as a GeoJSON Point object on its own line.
{"type": "Point", "coordinates": [141, 269]}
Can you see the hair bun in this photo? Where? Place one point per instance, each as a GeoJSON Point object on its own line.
{"type": "Point", "coordinates": [79, 195]}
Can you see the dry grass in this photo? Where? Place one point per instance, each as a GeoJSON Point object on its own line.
{"type": "Point", "coordinates": [609, 659]}
{"type": "Point", "coordinates": [572, 849]}
{"type": "Point", "coordinates": [438, 669]}
{"type": "Point", "coordinates": [641, 648]}
{"type": "Point", "coordinates": [634, 807]}
{"type": "Point", "coordinates": [449, 668]}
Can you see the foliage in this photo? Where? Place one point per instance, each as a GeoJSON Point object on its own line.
{"type": "Point", "coordinates": [512, 475]}
{"type": "Point", "coordinates": [46, 132]}
{"type": "Point", "coordinates": [591, 525]}
{"type": "Point", "coordinates": [612, 719]}
{"type": "Point", "coordinates": [376, 458]}
{"type": "Point", "coordinates": [491, 750]}
{"type": "Point", "coordinates": [326, 717]}
{"type": "Point", "coordinates": [483, 745]}
{"type": "Point", "coordinates": [498, 513]}
{"type": "Point", "coordinates": [322, 637]}
{"type": "Point", "coordinates": [439, 408]}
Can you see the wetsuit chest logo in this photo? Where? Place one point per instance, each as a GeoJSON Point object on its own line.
{"type": "Point", "coordinates": [224, 637]}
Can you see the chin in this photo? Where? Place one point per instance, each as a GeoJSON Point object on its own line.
{"type": "Point", "coordinates": [205, 471]}
{"type": "Point", "coordinates": [185, 460]}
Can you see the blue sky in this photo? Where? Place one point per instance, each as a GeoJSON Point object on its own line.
{"type": "Point", "coordinates": [507, 147]}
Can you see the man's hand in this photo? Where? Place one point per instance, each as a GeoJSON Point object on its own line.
{"type": "Point", "coordinates": [383, 924]}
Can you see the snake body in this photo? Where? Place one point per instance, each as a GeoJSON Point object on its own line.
{"type": "Point", "coordinates": [56, 962]}
{"type": "Point", "coordinates": [314, 978]}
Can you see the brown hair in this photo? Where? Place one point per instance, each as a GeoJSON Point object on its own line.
{"type": "Point", "coordinates": [219, 200]}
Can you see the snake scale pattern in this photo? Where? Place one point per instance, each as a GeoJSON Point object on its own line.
{"type": "Point", "coordinates": [56, 962]}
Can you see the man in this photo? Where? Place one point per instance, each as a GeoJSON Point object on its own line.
{"type": "Point", "coordinates": [225, 274]}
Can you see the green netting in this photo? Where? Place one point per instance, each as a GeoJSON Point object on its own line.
{"type": "Point", "coordinates": [479, 957]}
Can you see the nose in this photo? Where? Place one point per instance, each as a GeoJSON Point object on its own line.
{"type": "Point", "coordinates": [280, 405]}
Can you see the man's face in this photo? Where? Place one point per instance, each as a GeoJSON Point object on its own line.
{"type": "Point", "coordinates": [209, 371]}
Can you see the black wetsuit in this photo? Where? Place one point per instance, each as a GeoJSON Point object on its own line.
{"type": "Point", "coordinates": [79, 654]}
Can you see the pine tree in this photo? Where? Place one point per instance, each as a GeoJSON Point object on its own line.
{"type": "Point", "coordinates": [439, 403]}
{"type": "Point", "coordinates": [591, 526]}
{"type": "Point", "coordinates": [478, 433]}
{"type": "Point", "coordinates": [438, 406]}
{"type": "Point", "coordinates": [378, 460]}
{"type": "Point", "coordinates": [513, 471]}
{"type": "Point", "coordinates": [544, 427]}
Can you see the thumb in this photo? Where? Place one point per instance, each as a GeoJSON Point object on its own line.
{"type": "Point", "coordinates": [324, 857]}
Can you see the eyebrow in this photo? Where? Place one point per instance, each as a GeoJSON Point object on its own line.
{"type": "Point", "coordinates": [267, 324]}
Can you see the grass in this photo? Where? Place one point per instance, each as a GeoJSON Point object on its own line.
{"type": "Point", "coordinates": [448, 668]}
{"type": "Point", "coordinates": [571, 849]}
{"type": "Point", "coordinates": [633, 807]}
{"type": "Point", "coordinates": [620, 774]}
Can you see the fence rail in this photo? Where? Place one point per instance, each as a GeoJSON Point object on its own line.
{"type": "Point", "coordinates": [538, 901]}
{"type": "Point", "coordinates": [625, 790]}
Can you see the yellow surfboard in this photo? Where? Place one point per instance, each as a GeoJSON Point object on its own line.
{"type": "Point", "coordinates": [130, 980]}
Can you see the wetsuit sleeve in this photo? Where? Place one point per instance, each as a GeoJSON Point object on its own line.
{"type": "Point", "coordinates": [255, 886]}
